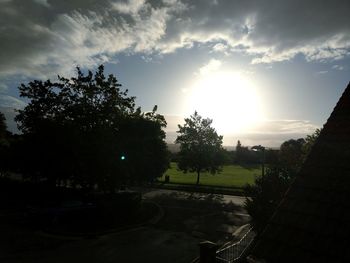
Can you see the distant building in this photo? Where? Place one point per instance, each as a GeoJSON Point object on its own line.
{"type": "Point", "coordinates": [312, 223]}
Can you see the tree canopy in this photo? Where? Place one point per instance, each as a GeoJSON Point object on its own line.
{"type": "Point", "coordinates": [291, 154]}
{"type": "Point", "coordinates": [76, 129]}
{"type": "Point", "coordinates": [200, 146]}
{"type": "Point", "coordinates": [309, 142]}
{"type": "Point", "coordinates": [265, 195]}
{"type": "Point", "coordinates": [268, 190]}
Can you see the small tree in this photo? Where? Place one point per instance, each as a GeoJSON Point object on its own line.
{"type": "Point", "coordinates": [200, 146]}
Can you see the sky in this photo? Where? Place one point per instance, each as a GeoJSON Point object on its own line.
{"type": "Point", "coordinates": [264, 71]}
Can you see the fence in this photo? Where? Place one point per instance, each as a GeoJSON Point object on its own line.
{"type": "Point", "coordinates": [234, 252]}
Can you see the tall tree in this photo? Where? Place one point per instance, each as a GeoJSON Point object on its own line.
{"type": "Point", "coordinates": [200, 146]}
{"type": "Point", "coordinates": [238, 157]}
{"type": "Point", "coordinates": [76, 129]}
{"type": "Point", "coordinates": [291, 154]}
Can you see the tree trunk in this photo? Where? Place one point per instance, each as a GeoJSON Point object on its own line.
{"type": "Point", "coordinates": [198, 172]}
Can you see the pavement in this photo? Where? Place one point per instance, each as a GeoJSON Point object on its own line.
{"type": "Point", "coordinates": [150, 194]}
{"type": "Point", "coordinates": [188, 218]}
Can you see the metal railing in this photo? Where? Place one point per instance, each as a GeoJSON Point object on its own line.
{"type": "Point", "coordinates": [233, 252]}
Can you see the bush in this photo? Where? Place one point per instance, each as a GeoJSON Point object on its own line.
{"type": "Point", "coordinates": [263, 197]}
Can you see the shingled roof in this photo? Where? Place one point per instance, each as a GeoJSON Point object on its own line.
{"type": "Point", "coordinates": [312, 223]}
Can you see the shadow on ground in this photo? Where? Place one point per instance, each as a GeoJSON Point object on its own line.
{"type": "Point", "coordinates": [205, 216]}
{"type": "Point", "coordinates": [188, 219]}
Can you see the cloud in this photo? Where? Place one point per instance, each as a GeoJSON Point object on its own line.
{"type": "Point", "coordinates": [40, 42]}
{"type": "Point", "coordinates": [269, 31]}
{"type": "Point", "coordinates": [211, 66]}
{"type": "Point", "coordinates": [43, 37]}
{"type": "Point", "coordinates": [221, 48]}
{"type": "Point", "coordinates": [130, 7]}
{"type": "Point", "coordinates": [43, 2]}
{"type": "Point", "coordinates": [337, 67]}
{"type": "Point", "coordinates": [285, 127]}
{"type": "Point", "coordinates": [10, 115]}
{"type": "Point", "coordinates": [11, 102]}
{"type": "Point", "coordinates": [3, 88]}
{"type": "Point", "coordinates": [172, 126]}
{"type": "Point", "coordinates": [271, 133]}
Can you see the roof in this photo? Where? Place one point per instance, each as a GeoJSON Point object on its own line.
{"type": "Point", "coordinates": [312, 222]}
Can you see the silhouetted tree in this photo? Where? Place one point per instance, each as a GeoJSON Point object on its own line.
{"type": "Point", "coordinates": [144, 147]}
{"type": "Point", "coordinates": [200, 146]}
{"type": "Point", "coordinates": [238, 152]}
{"type": "Point", "coordinates": [272, 157]}
{"type": "Point", "coordinates": [77, 129]}
{"type": "Point", "coordinates": [244, 155]}
{"type": "Point", "coordinates": [309, 143]}
{"type": "Point", "coordinates": [291, 154]}
{"type": "Point", "coordinates": [265, 195]}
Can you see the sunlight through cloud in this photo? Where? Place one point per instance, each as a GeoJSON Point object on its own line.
{"type": "Point", "coordinates": [229, 98]}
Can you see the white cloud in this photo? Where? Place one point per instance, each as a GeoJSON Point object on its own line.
{"type": "Point", "coordinates": [130, 7]}
{"type": "Point", "coordinates": [43, 3]}
{"type": "Point", "coordinates": [221, 48]}
{"type": "Point", "coordinates": [172, 126]}
{"type": "Point", "coordinates": [211, 66]}
{"type": "Point", "coordinates": [270, 133]}
{"type": "Point", "coordinates": [285, 127]}
{"type": "Point", "coordinates": [3, 88]}
{"type": "Point", "coordinates": [42, 41]}
{"type": "Point", "coordinates": [11, 102]}
{"type": "Point", "coordinates": [273, 133]}
{"type": "Point", "coordinates": [337, 67]}
{"type": "Point", "coordinates": [79, 38]}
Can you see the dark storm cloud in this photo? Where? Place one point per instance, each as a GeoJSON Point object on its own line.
{"type": "Point", "coordinates": [43, 36]}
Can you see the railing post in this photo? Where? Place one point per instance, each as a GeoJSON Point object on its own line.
{"type": "Point", "coordinates": [207, 252]}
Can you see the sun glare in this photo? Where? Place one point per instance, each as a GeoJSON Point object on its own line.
{"type": "Point", "coordinates": [228, 98]}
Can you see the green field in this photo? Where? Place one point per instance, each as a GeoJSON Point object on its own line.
{"type": "Point", "coordinates": [230, 176]}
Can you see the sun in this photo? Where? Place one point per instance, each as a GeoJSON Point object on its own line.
{"type": "Point", "coordinates": [229, 98]}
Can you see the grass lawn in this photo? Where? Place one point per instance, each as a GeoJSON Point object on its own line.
{"type": "Point", "coordinates": [230, 176]}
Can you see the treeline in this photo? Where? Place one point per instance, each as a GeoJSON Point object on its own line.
{"type": "Point", "coordinates": [290, 154]}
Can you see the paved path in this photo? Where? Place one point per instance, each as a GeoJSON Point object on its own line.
{"type": "Point", "coordinates": [189, 218]}
{"type": "Point", "coordinates": [237, 200]}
